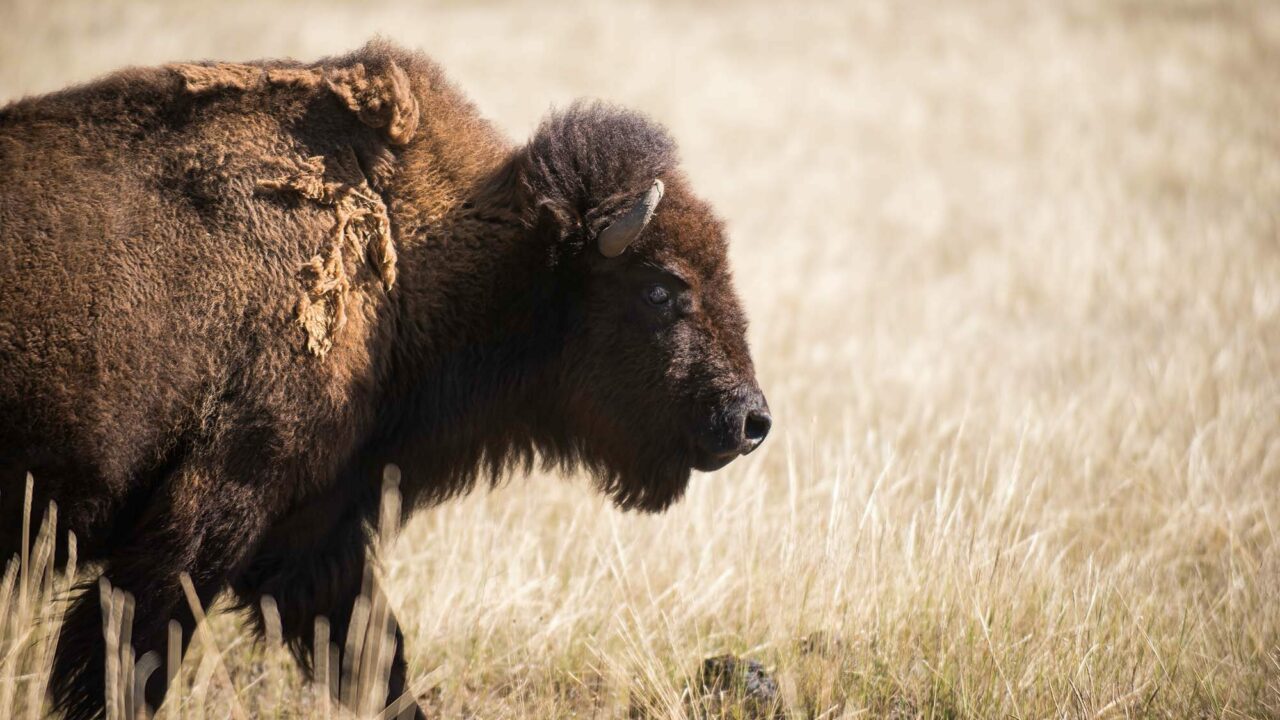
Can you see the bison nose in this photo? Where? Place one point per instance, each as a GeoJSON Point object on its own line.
{"type": "Point", "coordinates": [756, 423]}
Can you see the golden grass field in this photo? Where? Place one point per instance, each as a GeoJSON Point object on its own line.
{"type": "Point", "coordinates": [1013, 270]}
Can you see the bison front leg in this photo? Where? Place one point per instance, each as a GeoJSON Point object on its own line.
{"type": "Point", "coordinates": [324, 574]}
{"type": "Point", "coordinates": [192, 527]}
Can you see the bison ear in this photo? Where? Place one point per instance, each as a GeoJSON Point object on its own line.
{"type": "Point", "coordinates": [382, 99]}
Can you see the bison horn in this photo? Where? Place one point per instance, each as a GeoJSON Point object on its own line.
{"type": "Point", "coordinates": [615, 238]}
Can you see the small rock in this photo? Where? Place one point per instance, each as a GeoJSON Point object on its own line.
{"type": "Point", "coordinates": [734, 687]}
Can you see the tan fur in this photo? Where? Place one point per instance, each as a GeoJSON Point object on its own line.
{"type": "Point", "coordinates": [361, 232]}
{"type": "Point", "coordinates": [382, 100]}
{"type": "Point", "coordinates": [201, 79]}
{"type": "Point", "coordinates": [293, 77]}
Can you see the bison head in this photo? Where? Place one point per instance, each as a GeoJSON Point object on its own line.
{"type": "Point", "coordinates": [655, 378]}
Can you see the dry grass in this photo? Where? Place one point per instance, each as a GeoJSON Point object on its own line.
{"type": "Point", "coordinates": [1014, 276]}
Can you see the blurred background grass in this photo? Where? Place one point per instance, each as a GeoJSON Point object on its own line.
{"type": "Point", "coordinates": [1013, 270]}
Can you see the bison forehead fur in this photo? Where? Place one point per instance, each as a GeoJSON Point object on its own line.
{"type": "Point", "coordinates": [231, 294]}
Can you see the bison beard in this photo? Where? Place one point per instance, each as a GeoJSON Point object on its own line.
{"type": "Point", "coordinates": [231, 294]}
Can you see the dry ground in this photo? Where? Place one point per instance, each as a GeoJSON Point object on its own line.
{"type": "Point", "coordinates": [1014, 278]}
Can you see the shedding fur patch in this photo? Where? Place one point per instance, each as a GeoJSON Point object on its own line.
{"type": "Point", "coordinates": [383, 99]}
{"type": "Point", "coordinates": [359, 246]}
{"type": "Point", "coordinates": [293, 77]}
{"type": "Point", "coordinates": [200, 79]}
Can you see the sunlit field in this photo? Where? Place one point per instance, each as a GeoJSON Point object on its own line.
{"type": "Point", "coordinates": [1013, 274]}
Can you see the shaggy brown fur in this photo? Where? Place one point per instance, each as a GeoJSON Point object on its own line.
{"type": "Point", "coordinates": [230, 294]}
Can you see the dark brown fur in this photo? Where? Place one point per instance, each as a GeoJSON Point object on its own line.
{"type": "Point", "coordinates": [231, 294]}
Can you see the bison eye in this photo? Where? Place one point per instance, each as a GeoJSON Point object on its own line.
{"type": "Point", "coordinates": [657, 295]}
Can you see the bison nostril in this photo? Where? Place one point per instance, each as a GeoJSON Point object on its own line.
{"type": "Point", "coordinates": [756, 427]}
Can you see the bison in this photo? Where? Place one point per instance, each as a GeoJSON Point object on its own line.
{"type": "Point", "coordinates": [232, 294]}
